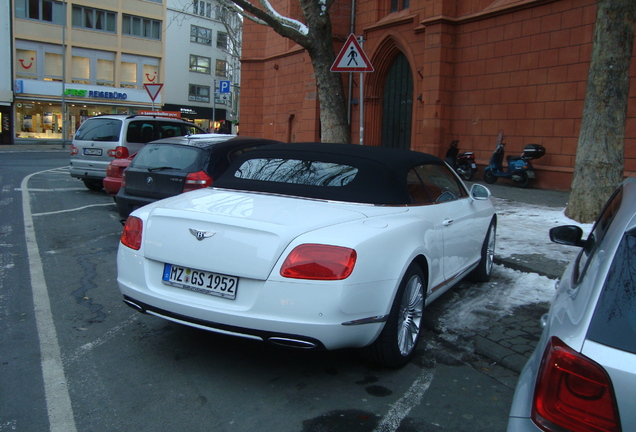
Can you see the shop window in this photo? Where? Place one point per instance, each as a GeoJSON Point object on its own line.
{"type": "Point", "coordinates": [26, 64]}
{"type": "Point", "coordinates": [41, 10]}
{"type": "Point", "coordinates": [80, 70]}
{"type": "Point", "coordinates": [52, 66]}
{"type": "Point", "coordinates": [141, 27]}
{"type": "Point", "coordinates": [221, 41]}
{"type": "Point", "coordinates": [94, 19]}
{"type": "Point", "coordinates": [221, 68]}
{"type": "Point", "coordinates": [198, 93]}
{"type": "Point", "coordinates": [200, 35]}
{"type": "Point", "coordinates": [105, 72]}
{"type": "Point", "coordinates": [129, 75]}
{"type": "Point", "coordinates": [200, 64]}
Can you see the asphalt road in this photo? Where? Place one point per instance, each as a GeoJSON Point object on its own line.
{"type": "Point", "coordinates": [73, 357]}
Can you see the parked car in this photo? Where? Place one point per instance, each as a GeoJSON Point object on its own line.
{"type": "Point", "coordinates": [582, 374]}
{"type": "Point", "coordinates": [114, 173]}
{"type": "Point", "coordinates": [311, 246]}
{"type": "Point", "coordinates": [171, 166]}
{"type": "Point", "coordinates": [100, 139]}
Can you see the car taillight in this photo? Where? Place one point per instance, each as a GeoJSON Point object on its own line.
{"type": "Point", "coordinates": [573, 392]}
{"type": "Point", "coordinates": [197, 180]}
{"type": "Point", "coordinates": [123, 179]}
{"type": "Point", "coordinates": [319, 262]}
{"type": "Point", "coordinates": [118, 152]}
{"type": "Point", "coordinates": [131, 236]}
{"type": "Point", "coordinates": [74, 150]}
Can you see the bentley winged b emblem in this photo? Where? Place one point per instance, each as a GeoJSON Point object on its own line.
{"type": "Point", "coordinates": [200, 235]}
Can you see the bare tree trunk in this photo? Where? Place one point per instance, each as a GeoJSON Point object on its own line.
{"type": "Point", "coordinates": [315, 35]}
{"type": "Point", "coordinates": [331, 96]}
{"type": "Point", "coordinates": [599, 162]}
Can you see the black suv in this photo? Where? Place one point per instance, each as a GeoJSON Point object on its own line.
{"type": "Point", "coordinates": [171, 166]}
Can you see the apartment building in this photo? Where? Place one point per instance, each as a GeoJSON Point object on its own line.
{"type": "Point", "coordinates": [202, 52]}
{"type": "Point", "coordinates": [88, 58]}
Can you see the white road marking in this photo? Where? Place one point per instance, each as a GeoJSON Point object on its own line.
{"type": "Point", "coordinates": [402, 407]}
{"type": "Point", "coordinates": [58, 400]}
{"type": "Point", "coordinates": [53, 190]}
{"type": "Point", "coordinates": [73, 209]}
{"type": "Point", "coordinates": [110, 334]}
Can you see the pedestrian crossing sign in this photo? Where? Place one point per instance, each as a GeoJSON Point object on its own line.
{"type": "Point", "coordinates": [352, 58]}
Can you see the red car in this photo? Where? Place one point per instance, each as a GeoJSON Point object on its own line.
{"type": "Point", "coordinates": [114, 172]}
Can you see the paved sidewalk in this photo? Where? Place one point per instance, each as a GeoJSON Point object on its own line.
{"type": "Point", "coordinates": [510, 340]}
{"type": "Point", "coordinates": [36, 147]}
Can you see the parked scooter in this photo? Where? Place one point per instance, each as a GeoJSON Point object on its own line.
{"type": "Point", "coordinates": [463, 163]}
{"type": "Point", "coordinates": [519, 168]}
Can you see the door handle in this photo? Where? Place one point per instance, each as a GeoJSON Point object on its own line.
{"type": "Point", "coordinates": [448, 222]}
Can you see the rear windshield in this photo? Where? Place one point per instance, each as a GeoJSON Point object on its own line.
{"type": "Point", "coordinates": [99, 129]}
{"type": "Point", "coordinates": [293, 171]}
{"type": "Point", "coordinates": [168, 156]}
{"type": "Point", "coordinates": [614, 321]}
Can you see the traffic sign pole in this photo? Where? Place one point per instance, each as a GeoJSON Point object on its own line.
{"type": "Point", "coordinates": [362, 101]}
{"type": "Point", "coordinates": [353, 59]}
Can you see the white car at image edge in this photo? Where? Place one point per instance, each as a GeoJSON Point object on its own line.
{"type": "Point", "coordinates": [311, 245]}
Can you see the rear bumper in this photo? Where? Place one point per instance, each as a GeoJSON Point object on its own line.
{"type": "Point", "coordinates": [126, 204]}
{"type": "Point", "coordinates": [84, 170]}
{"type": "Point", "coordinates": [112, 185]}
{"type": "Point", "coordinates": [300, 314]}
{"type": "Point", "coordinates": [284, 339]}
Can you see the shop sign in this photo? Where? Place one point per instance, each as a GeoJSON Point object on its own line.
{"type": "Point", "coordinates": [172, 114]}
{"type": "Point", "coordinates": [95, 94]}
{"type": "Point", "coordinates": [75, 92]}
{"type": "Point", "coordinates": [106, 95]}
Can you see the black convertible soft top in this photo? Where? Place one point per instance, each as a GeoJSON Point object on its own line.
{"type": "Point", "coordinates": [376, 175]}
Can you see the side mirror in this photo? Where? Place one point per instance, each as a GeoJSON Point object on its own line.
{"type": "Point", "coordinates": [479, 192]}
{"type": "Point", "coordinates": [570, 235]}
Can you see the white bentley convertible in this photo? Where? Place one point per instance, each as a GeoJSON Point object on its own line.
{"type": "Point", "coordinates": [311, 246]}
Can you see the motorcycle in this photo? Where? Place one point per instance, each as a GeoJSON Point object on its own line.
{"type": "Point", "coordinates": [464, 163]}
{"type": "Point", "coordinates": [519, 168]}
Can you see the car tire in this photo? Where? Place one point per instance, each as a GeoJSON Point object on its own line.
{"type": "Point", "coordinates": [489, 177]}
{"type": "Point", "coordinates": [94, 185]}
{"type": "Point", "coordinates": [483, 270]}
{"type": "Point", "coordinates": [397, 343]}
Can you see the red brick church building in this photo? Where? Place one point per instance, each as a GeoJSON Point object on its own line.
{"type": "Point", "coordinates": [443, 69]}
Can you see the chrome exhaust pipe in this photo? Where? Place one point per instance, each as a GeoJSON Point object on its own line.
{"type": "Point", "coordinates": [292, 343]}
{"type": "Point", "coordinates": [134, 305]}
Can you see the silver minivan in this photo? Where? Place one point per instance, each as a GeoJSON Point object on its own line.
{"type": "Point", "coordinates": [102, 138]}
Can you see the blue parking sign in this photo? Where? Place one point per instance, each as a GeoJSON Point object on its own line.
{"type": "Point", "coordinates": [224, 86]}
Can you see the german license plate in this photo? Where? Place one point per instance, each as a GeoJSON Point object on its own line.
{"type": "Point", "coordinates": [93, 151]}
{"type": "Point", "coordinates": [200, 281]}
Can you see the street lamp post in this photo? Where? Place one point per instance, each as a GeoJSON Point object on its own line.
{"type": "Point", "coordinates": [64, 114]}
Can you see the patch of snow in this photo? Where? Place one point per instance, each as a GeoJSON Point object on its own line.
{"type": "Point", "coordinates": [522, 229]}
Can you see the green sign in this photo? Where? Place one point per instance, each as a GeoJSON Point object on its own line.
{"type": "Point", "coordinates": [73, 92]}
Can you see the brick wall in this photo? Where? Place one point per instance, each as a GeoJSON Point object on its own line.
{"type": "Point", "coordinates": [478, 67]}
